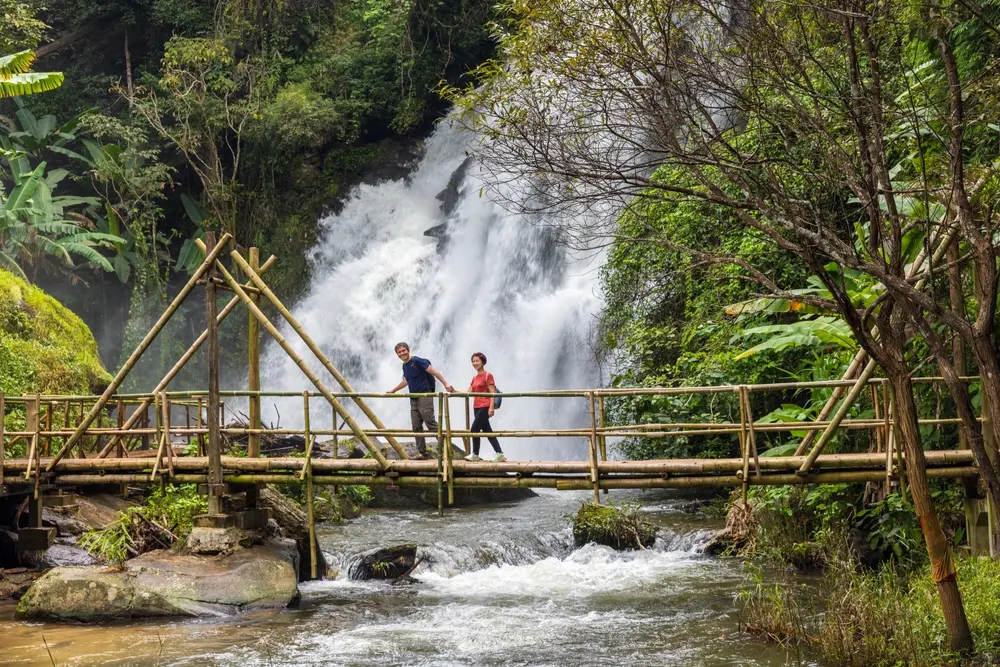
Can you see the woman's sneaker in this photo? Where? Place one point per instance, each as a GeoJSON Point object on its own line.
{"type": "Point", "coordinates": [499, 458]}
{"type": "Point", "coordinates": [472, 457]}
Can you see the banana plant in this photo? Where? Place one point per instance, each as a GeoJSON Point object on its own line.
{"type": "Point", "coordinates": [31, 134]}
{"type": "Point", "coordinates": [35, 223]}
{"type": "Point", "coordinates": [16, 79]}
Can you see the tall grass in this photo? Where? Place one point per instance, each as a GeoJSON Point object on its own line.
{"type": "Point", "coordinates": [878, 619]}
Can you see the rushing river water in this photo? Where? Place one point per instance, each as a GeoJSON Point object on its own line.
{"type": "Point", "coordinates": [499, 585]}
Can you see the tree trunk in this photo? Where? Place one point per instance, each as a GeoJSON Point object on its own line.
{"type": "Point", "coordinates": [942, 564]}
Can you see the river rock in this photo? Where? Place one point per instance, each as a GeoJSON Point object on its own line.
{"type": "Point", "coordinates": [620, 528]}
{"type": "Point", "coordinates": [58, 555]}
{"type": "Point", "coordinates": [385, 563]}
{"type": "Point", "coordinates": [163, 583]}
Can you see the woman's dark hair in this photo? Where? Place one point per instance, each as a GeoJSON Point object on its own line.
{"type": "Point", "coordinates": [480, 355]}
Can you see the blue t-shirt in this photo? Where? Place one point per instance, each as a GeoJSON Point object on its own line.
{"type": "Point", "coordinates": [417, 378]}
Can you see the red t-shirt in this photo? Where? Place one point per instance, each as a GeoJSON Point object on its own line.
{"type": "Point", "coordinates": [481, 384]}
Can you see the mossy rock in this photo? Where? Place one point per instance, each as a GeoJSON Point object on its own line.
{"type": "Point", "coordinates": [44, 347]}
{"type": "Point", "coordinates": [620, 527]}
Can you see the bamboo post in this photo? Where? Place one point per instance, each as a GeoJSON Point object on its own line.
{"type": "Point", "coordinates": [604, 438]}
{"type": "Point", "coordinates": [48, 427]}
{"type": "Point", "coordinates": [215, 487]}
{"type": "Point", "coordinates": [165, 406]}
{"type": "Point", "coordinates": [121, 422]}
{"type": "Point", "coordinates": [327, 364]}
{"type": "Point", "coordinates": [141, 348]}
{"type": "Point", "coordinates": [37, 446]}
{"type": "Point", "coordinates": [449, 467]}
{"type": "Point", "coordinates": [440, 464]}
{"type": "Point", "coordinates": [307, 473]}
{"type": "Point", "coordinates": [161, 441]}
{"type": "Point", "coordinates": [273, 331]}
{"type": "Point", "coordinates": [466, 442]}
{"type": "Point", "coordinates": [744, 446]}
{"type": "Point", "coordinates": [845, 407]}
{"type": "Point", "coordinates": [751, 436]}
{"type": "Point", "coordinates": [876, 433]}
{"type": "Point", "coordinates": [253, 382]}
{"type": "Point", "coordinates": [181, 363]}
{"type": "Point", "coordinates": [31, 426]}
{"type": "Point", "coordinates": [592, 450]}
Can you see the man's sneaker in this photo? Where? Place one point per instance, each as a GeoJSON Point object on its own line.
{"type": "Point", "coordinates": [472, 457]}
{"type": "Point", "coordinates": [499, 458]}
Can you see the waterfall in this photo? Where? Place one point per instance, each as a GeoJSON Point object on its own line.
{"type": "Point", "coordinates": [487, 281]}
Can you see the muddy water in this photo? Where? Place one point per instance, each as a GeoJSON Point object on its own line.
{"type": "Point", "coordinates": [499, 585]}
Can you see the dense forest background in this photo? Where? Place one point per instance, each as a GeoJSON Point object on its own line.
{"type": "Point", "coordinates": [180, 116]}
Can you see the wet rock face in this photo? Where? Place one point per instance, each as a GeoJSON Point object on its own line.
{"type": "Point", "coordinates": [162, 583]}
{"type": "Point", "coordinates": [388, 563]}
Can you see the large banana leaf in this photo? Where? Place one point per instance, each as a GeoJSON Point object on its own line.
{"type": "Point", "coordinates": [30, 83]}
{"type": "Point", "coordinates": [16, 63]}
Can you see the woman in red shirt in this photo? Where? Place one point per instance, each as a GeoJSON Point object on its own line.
{"type": "Point", "coordinates": [482, 383]}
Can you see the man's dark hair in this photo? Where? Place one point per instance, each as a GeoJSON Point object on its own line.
{"type": "Point", "coordinates": [403, 345]}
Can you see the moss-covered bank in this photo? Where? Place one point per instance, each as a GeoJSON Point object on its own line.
{"type": "Point", "coordinates": [44, 347]}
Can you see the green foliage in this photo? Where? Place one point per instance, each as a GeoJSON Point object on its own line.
{"type": "Point", "coordinates": [114, 543]}
{"type": "Point", "coordinates": [358, 494]}
{"type": "Point", "coordinates": [15, 79]}
{"type": "Point", "coordinates": [43, 346]}
{"type": "Point", "coordinates": [882, 619]}
{"type": "Point", "coordinates": [175, 506]}
{"type": "Point", "coordinates": [19, 29]}
{"type": "Point", "coordinates": [170, 507]}
{"type": "Point", "coordinates": [621, 527]}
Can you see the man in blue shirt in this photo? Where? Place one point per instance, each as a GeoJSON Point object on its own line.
{"type": "Point", "coordinates": [418, 375]}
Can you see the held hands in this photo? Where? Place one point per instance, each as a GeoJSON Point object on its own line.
{"type": "Point", "coordinates": [449, 387]}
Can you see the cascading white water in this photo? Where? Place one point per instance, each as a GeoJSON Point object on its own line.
{"type": "Point", "coordinates": [497, 284]}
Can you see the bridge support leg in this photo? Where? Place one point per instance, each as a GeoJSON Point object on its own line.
{"type": "Point", "coordinates": [253, 350]}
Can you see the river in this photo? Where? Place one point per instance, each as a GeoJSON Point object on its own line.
{"type": "Point", "coordinates": [499, 585]}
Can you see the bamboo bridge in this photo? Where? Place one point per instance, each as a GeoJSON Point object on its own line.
{"type": "Point", "coordinates": [179, 437]}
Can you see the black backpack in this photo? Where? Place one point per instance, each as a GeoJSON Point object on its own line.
{"type": "Point", "coordinates": [497, 399]}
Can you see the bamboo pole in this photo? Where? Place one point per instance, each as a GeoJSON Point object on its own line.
{"type": "Point", "coordinates": [440, 460]}
{"type": "Point", "coordinates": [31, 424]}
{"type": "Point", "coordinates": [592, 451]}
{"type": "Point", "coordinates": [560, 483]}
{"type": "Point", "coordinates": [845, 407]}
{"type": "Point", "coordinates": [655, 467]}
{"type": "Point", "coordinates": [165, 406]}
{"type": "Point", "coordinates": [448, 454]}
{"type": "Point", "coordinates": [143, 346]}
{"type": "Point", "coordinates": [859, 360]}
{"type": "Point", "coordinates": [307, 474]}
{"type": "Point", "coordinates": [270, 328]}
{"type": "Point", "coordinates": [744, 473]}
{"type": "Point", "coordinates": [37, 447]}
{"type": "Point", "coordinates": [466, 440]}
{"type": "Point", "coordinates": [601, 425]}
{"type": "Point", "coordinates": [327, 364]}
{"type": "Point", "coordinates": [215, 484]}
{"type": "Point", "coordinates": [253, 381]}
{"type": "Point", "coordinates": [182, 362]}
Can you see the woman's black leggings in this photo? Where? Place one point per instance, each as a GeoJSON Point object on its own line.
{"type": "Point", "coordinates": [481, 424]}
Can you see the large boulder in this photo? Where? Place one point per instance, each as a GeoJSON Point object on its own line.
{"type": "Point", "coordinates": [385, 563]}
{"type": "Point", "coordinates": [162, 583]}
{"type": "Point", "coordinates": [620, 528]}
